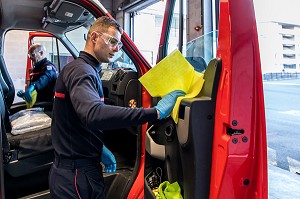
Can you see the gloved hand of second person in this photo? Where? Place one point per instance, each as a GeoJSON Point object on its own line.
{"type": "Point", "coordinates": [27, 93]}
{"type": "Point", "coordinates": [108, 159]}
{"type": "Point", "coordinates": [166, 104]}
{"type": "Point", "coordinates": [20, 93]}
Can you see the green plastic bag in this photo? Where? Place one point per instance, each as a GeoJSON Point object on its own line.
{"type": "Point", "coordinates": [166, 190]}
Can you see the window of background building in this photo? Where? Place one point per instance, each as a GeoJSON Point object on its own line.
{"type": "Point", "coordinates": [147, 24]}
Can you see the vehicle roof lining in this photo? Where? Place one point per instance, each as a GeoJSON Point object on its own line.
{"type": "Point", "coordinates": [64, 15]}
{"type": "Point", "coordinates": [32, 15]}
{"type": "Point", "coordinates": [19, 14]}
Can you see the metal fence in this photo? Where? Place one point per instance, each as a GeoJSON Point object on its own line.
{"type": "Point", "coordinates": [282, 75]}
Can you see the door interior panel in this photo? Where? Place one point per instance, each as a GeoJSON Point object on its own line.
{"type": "Point", "coordinates": [187, 146]}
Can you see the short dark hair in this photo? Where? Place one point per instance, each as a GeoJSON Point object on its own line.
{"type": "Point", "coordinates": [103, 23]}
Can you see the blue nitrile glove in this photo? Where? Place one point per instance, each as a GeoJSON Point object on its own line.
{"type": "Point", "coordinates": [27, 94]}
{"type": "Point", "coordinates": [166, 104]}
{"type": "Point", "coordinates": [20, 93]}
{"type": "Point", "coordinates": [108, 159]}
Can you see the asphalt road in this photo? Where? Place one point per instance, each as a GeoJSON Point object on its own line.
{"type": "Point", "coordinates": [282, 105]}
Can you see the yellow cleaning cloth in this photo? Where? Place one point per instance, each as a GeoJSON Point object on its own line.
{"type": "Point", "coordinates": [33, 99]}
{"type": "Point", "coordinates": [173, 72]}
{"type": "Point", "coordinates": [194, 90]}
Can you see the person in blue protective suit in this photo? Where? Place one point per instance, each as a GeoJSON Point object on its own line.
{"type": "Point", "coordinates": [42, 77]}
{"type": "Point", "coordinates": [80, 116]}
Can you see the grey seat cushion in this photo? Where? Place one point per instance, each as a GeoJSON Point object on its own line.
{"type": "Point", "coordinates": [31, 143]}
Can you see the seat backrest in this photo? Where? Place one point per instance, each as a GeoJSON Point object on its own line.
{"type": "Point", "coordinates": [211, 77]}
{"type": "Point", "coordinates": [191, 152]}
{"type": "Point", "coordinates": [3, 123]}
{"type": "Point", "coordinates": [186, 148]}
{"type": "Point", "coordinates": [9, 89]}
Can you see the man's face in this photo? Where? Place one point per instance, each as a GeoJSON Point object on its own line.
{"type": "Point", "coordinates": [35, 56]}
{"type": "Point", "coordinates": [107, 44]}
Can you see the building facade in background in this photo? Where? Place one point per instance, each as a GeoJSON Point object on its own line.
{"type": "Point", "coordinates": [278, 25]}
{"type": "Point", "coordinates": [279, 47]}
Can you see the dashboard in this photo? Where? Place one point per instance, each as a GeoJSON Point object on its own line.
{"type": "Point", "coordinates": [120, 87]}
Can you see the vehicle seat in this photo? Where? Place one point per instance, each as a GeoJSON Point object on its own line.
{"type": "Point", "coordinates": [8, 89]}
{"type": "Point", "coordinates": [186, 148]}
{"type": "Point", "coordinates": [28, 146]}
{"type": "Point", "coordinates": [196, 142]}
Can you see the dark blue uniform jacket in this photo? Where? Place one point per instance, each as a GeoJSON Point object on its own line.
{"type": "Point", "coordinates": [44, 76]}
{"type": "Point", "coordinates": [79, 112]}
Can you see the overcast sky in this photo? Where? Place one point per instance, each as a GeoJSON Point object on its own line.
{"type": "Point", "coordinates": [286, 11]}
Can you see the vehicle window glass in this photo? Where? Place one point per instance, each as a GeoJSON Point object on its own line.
{"type": "Point", "coordinates": [57, 54]}
{"type": "Point", "coordinates": [120, 60]}
{"type": "Point", "coordinates": [201, 50]}
{"type": "Point", "coordinates": [15, 55]}
{"type": "Point", "coordinates": [77, 37]}
{"type": "Point", "coordinates": [174, 30]}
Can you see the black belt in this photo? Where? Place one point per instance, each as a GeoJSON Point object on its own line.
{"type": "Point", "coordinates": [75, 163]}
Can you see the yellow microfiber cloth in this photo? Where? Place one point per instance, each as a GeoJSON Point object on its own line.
{"type": "Point", "coordinates": [33, 99]}
{"type": "Point", "coordinates": [173, 72]}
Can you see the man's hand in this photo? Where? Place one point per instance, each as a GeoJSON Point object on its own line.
{"type": "Point", "coordinates": [27, 93]}
{"type": "Point", "coordinates": [108, 159]}
{"type": "Point", "coordinates": [166, 104]}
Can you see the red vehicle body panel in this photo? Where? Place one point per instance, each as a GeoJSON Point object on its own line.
{"type": "Point", "coordinates": [239, 164]}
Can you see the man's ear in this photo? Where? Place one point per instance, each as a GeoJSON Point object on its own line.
{"type": "Point", "coordinates": [93, 37]}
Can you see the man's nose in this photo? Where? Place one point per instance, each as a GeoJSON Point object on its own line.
{"type": "Point", "coordinates": [116, 48]}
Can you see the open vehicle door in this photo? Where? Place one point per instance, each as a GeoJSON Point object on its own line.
{"type": "Point", "coordinates": [218, 148]}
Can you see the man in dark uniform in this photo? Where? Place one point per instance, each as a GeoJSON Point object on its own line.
{"type": "Point", "coordinates": [42, 77]}
{"type": "Point", "coordinates": [80, 115]}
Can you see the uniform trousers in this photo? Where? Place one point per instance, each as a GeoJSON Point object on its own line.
{"type": "Point", "coordinates": [80, 179]}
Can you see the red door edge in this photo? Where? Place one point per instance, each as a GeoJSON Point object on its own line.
{"type": "Point", "coordinates": [239, 164]}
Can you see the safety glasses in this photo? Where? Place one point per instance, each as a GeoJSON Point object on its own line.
{"type": "Point", "coordinates": [33, 55]}
{"type": "Point", "coordinates": [110, 40]}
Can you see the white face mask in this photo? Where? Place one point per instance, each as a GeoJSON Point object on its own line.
{"type": "Point", "coordinates": [117, 57]}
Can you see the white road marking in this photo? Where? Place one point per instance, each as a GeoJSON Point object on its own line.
{"type": "Point", "coordinates": [294, 165]}
{"type": "Point", "coordinates": [272, 158]}
{"type": "Point", "coordinates": [291, 112]}
{"type": "Point", "coordinates": [282, 83]}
